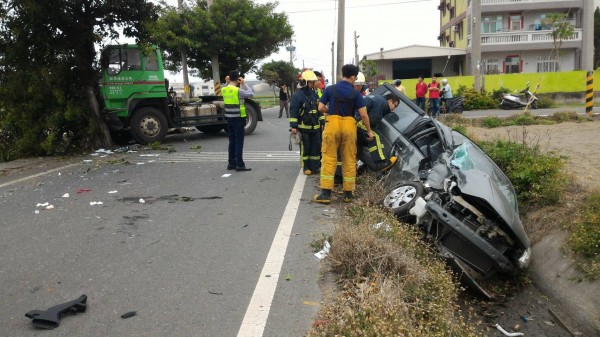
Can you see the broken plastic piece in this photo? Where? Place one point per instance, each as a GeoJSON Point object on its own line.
{"type": "Point", "coordinates": [50, 207]}
{"type": "Point", "coordinates": [129, 314]}
{"type": "Point", "coordinates": [93, 203]}
{"type": "Point", "coordinates": [142, 201]}
{"type": "Point", "coordinates": [83, 190]}
{"type": "Point", "coordinates": [49, 319]}
{"type": "Point", "coordinates": [42, 205]}
{"type": "Point", "coordinates": [323, 252]}
{"type": "Point", "coordinates": [509, 334]}
{"type": "Point", "coordinates": [112, 192]}
{"type": "Point", "coordinates": [66, 195]}
{"type": "Point", "coordinates": [525, 318]}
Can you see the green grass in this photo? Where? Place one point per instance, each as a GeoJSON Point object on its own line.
{"type": "Point", "coordinates": [266, 101]}
{"type": "Point", "coordinates": [585, 236]}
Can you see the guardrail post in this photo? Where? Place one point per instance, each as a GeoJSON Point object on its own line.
{"type": "Point", "coordinates": [589, 93]}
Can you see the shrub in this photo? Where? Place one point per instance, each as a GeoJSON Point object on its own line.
{"type": "Point", "coordinates": [498, 93]}
{"type": "Point", "coordinates": [566, 116]}
{"type": "Point", "coordinates": [536, 176]}
{"type": "Point", "coordinates": [475, 100]}
{"type": "Point", "coordinates": [585, 238]}
{"type": "Point", "coordinates": [545, 102]}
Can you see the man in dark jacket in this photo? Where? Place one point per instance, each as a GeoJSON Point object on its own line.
{"type": "Point", "coordinates": [377, 106]}
{"type": "Point", "coordinates": [306, 119]}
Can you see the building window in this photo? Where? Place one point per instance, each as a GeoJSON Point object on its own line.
{"type": "Point", "coordinates": [491, 66]}
{"type": "Point", "coordinates": [512, 64]}
{"type": "Point", "coordinates": [491, 24]}
{"type": "Point", "coordinates": [515, 22]}
{"type": "Point", "coordinates": [460, 28]}
{"type": "Point", "coordinates": [547, 64]}
{"type": "Point", "coordinates": [452, 13]}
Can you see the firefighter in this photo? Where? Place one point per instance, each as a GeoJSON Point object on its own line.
{"type": "Point", "coordinates": [377, 106]}
{"type": "Point", "coordinates": [338, 104]}
{"type": "Point", "coordinates": [306, 119]}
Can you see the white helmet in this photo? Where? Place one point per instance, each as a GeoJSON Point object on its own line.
{"type": "Point", "coordinates": [360, 79]}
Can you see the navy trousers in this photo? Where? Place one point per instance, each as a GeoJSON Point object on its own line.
{"type": "Point", "coordinates": [235, 130]}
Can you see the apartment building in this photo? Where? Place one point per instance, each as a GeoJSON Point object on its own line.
{"type": "Point", "coordinates": [515, 36]}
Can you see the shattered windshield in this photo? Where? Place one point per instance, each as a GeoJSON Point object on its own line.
{"type": "Point", "coordinates": [468, 156]}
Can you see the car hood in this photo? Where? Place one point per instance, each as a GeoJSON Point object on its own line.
{"type": "Point", "coordinates": [477, 175]}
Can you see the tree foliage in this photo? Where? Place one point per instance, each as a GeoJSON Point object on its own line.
{"type": "Point", "coordinates": [561, 30]}
{"type": "Point", "coordinates": [276, 73]}
{"type": "Point", "coordinates": [48, 75]}
{"type": "Point", "coordinates": [240, 32]}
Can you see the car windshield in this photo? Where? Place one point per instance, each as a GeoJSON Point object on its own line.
{"type": "Point", "coordinates": [468, 156]}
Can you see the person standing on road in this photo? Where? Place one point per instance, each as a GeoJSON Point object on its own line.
{"type": "Point", "coordinates": [421, 91]}
{"type": "Point", "coordinates": [306, 119]}
{"type": "Point", "coordinates": [235, 114]}
{"type": "Point", "coordinates": [446, 94]}
{"type": "Point", "coordinates": [338, 104]}
{"type": "Point", "coordinates": [434, 97]}
{"type": "Point", "coordinates": [283, 100]}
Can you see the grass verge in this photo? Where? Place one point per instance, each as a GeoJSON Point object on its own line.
{"type": "Point", "coordinates": [391, 283]}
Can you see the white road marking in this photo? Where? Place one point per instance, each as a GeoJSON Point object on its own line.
{"type": "Point", "coordinates": [249, 156]}
{"type": "Point", "coordinates": [257, 312]}
{"type": "Point", "coordinates": [37, 175]}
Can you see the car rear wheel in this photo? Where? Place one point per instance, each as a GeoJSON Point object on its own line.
{"type": "Point", "coordinates": [401, 198]}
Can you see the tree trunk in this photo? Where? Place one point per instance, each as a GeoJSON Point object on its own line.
{"type": "Point", "coordinates": [103, 139]}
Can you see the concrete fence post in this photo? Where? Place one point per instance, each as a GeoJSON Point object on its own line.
{"type": "Point", "coordinates": [589, 93]}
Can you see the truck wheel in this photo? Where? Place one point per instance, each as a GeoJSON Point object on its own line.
{"type": "Point", "coordinates": [212, 129]}
{"type": "Point", "coordinates": [251, 119]}
{"type": "Point", "coordinates": [149, 125]}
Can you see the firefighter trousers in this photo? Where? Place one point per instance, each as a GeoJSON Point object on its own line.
{"type": "Point", "coordinates": [310, 150]}
{"type": "Point", "coordinates": [339, 133]}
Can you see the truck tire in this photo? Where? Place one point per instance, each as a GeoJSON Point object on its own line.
{"type": "Point", "coordinates": [148, 125]}
{"type": "Point", "coordinates": [251, 119]}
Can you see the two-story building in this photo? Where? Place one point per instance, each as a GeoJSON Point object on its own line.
{"type": "Point", "coordinates": [515, 36]}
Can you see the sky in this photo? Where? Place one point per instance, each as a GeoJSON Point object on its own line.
{"type": "Point", "coordinates": [386, 24]}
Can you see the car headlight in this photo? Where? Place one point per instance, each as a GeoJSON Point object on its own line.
{"type": "Point", "coordinates": [525, 259]}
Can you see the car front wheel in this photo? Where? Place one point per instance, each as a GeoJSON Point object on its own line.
{"type": "Point", "coordinates": [401, 198]}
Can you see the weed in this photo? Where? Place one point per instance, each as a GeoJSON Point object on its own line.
{"type": "Point", "coordinates": [585, 236]}
{"type": "Point", "coordinates": [492, 122]}
{"type": "Point", "coordinates": [566, 116]}
{"type": "Point", "coordinates": [196, 147]}
{"type": "Point", "coordinates": [155, 146]}
{"type": "Point", "coordinates": [545, 102]}
{"type": "Point", "coordinates": [317, 244]}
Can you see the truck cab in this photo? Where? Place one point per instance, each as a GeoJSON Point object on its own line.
{"type": "Point", "coordinates": [138, 102]}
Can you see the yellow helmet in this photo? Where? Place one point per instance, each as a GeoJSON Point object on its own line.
{"type": "Point", "coordinates": [309, 75]}
{"type": "Point", "coordinates": [360, 79]}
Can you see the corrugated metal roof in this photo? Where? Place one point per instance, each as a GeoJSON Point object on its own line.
{"type": "Point", "coordinates": [415, 51]}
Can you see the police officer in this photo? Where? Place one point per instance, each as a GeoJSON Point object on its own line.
{"type": "Point", "coordinates": [306, 119]}
{"type": "Point", "coordinates": [235, 114]}
{"type": "Point", "coordinates": [338, 104]}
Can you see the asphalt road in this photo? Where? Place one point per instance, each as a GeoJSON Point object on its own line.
{"type": "Point", "coordinates": [188, 267]}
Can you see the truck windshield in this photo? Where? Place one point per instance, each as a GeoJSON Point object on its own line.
{"type": "Point", "coordinates": [123, 59]}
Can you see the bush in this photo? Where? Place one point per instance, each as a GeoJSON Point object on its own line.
{"type": "Point", "coordinates": [536, 176]}
{"type": "Point", "coordinates": [585, 238]}
{"type": "Point", "coordinates": [475, 100]}
{"type": "Point", "coordinates": [567, 116]}
{"type": "Point", "coordinates": [498, 93]}
{"type": "Point", "coordinates": [545, 102]}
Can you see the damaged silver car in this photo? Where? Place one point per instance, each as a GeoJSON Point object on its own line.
{"type": "Point", "coordinates": [453, 192]}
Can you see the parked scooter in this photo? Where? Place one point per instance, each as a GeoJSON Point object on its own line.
{"type": "Point", "coordinates": [510, 101]}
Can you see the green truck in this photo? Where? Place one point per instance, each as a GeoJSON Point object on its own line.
{"type": "Point", "coordinates": [138, 103]}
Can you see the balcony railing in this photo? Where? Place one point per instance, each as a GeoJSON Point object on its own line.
{"type": "Point", "coordinates": [524, 37]}
{"type": "Point", "coordinates": [505, 2]}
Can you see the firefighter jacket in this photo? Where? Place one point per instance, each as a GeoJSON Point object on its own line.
{"type": "Point", "coordinates": [304, 114]}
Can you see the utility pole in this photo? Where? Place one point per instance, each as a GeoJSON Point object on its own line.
{"type": "Point", "coordinates": [291, 49]}
{"type": "Point", "coordinates": [332, 65]}
{"type": "Point", "coordinates": [476, 44]}
{"type": "Point", "coordinates": [184, 65]}
{"type": "Point", "coordinates": [356, 48]}
{"type": "Point", "coordinates": [214, 61]}
{"type": "Point", "coordinates": [340, 37]}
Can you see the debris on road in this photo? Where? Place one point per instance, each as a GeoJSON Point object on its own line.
{"type": "Point", "coordinates": [83, 190]}
{"type": "Point", "coordinates": [87, 161]}
{"type": "Point", "coordinates": [49, 319]}
{"type": "Point", "coordinates": [94, 203]}
{"type": "Point", "coordinates": [509, 334]}
{"type": "Point", "coordinates": [112, 192]}
{"type": "Point", "coordinates": [42, 205]}
{"type": "Point", "coordinates": [214, 293]}
{"type": "Point", "coordinates": [323, 252]}
{"type": "Point", "coordinates": [66, 195]}
{"type": "Point", "coordinates": [129, 314]}
{"type": "Point", "coordinates": [142, 201]}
